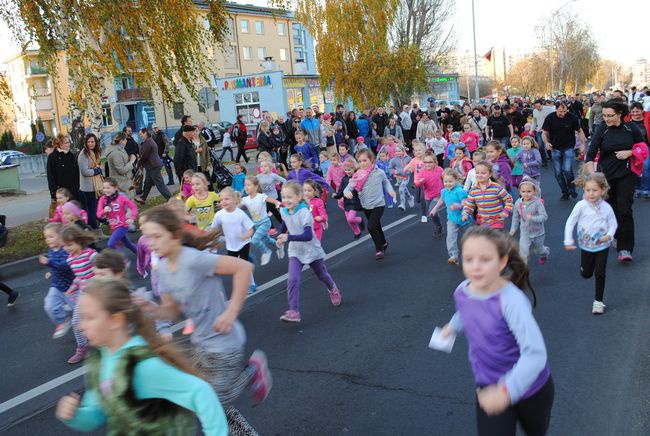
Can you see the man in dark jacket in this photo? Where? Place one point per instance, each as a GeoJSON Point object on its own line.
{"type": "Point", "coordinates": [152, 164]}
{"type": "Point", "coordinates": [185, 121]}
{"type": "Point", "coordinates": [239, 135]}
{"type": "Point", "coordinates": [185, 156]}
{"type": "Point", "coordinates": [208, 135]}
{"type": "Point", "coordinates": [516, 118]}
{"type": "Point", "coordinates": [132, 149]}
{"type": "Point", "coordinates": [160, 139]}
{"type": "Point", "coordinates": [381, 120]}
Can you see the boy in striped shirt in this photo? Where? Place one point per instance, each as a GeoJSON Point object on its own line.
{"type": "Point", "coordinates": [491, 201]}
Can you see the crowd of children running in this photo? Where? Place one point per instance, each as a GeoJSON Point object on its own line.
{"type": "Point", "coordinates": [283, 211]}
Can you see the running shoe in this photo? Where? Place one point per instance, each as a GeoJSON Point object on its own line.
{"type": "Point", "coordinates": [273, 232]}
{"type": "Point", "coordinates": [598, 308]}
{"type": "Point", "coordinates": [290, 316]}
{"type": "Point", "coordinates": [564, 197]}
{"type": "Point", "coordinates": [335, 297]}
{"type": "Point", "coordinates": [452, 261]}
{"type": "Point", "coordinates": [624, 256]}
{"type": "Point", "coordinates": [362, 225]}
{"type": "Point", "coordinates": [357, 236]}
{"type": "Point", "coordinates": [542, 260]}
{"type": "Point", "coordinates": [12, 298]}
{"type": "Point", "coordinates": [390, 206]}
{"type": "Point", "coordinates": [139, 200]}
{"type": "Point", "coordinates": [437, 232]}
{"type": "Point", "coordinates": [61, 329]}
{"type": "Point", "coordinates": [252, 288]}
{"type": "Point", "coordinates": [574, 194]}
{"type": "Point", "coordinates": [424, 219]}
{"type": "Point", "coordinates": [265, 258]}
{"type": "Point", "coordinates": [412, 202]}
{"type": "Point", "coordinates": [385, 247]}
{"type": "Point", "coordinates": [189, 327]}
{"type": "Point", "coordinates": [280, 252]}
{"type": "Point", "coordinates": [79, 355]}
{"type": "Point", "coordinates": [262, 381]}
{"type": "Point", "coordinates": [379, 255]}
{"type": "Point", "coordinates": [401, 207]}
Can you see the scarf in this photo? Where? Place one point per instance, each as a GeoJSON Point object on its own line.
{"type": "Point", "coordinates": [360, 177]}
{"type": "Point", "coordinates": [112, 198]}
{"type": "Point", "coordinates": [98, 179]}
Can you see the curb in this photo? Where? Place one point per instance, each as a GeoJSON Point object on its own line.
{"type": "Point", "coordinates": [19, 267]}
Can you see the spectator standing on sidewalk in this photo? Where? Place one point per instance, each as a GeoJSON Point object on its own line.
{"type": "Point", "coordinates": [161, 141]}
{"type": "Point", "coordinates": [185, 156]}
{"type": "Point", "coordinates": [239, 135]}
{"type": "Point", "coordinates": [185, 121]}
{"type": "Point", "coordinates": [152, 164]}
{"type": "Point", "coordinates": [62, 168]}
{"type": "Point", "coordinates": [91, 179]}
{"type": "Point", "coordinates": [208, 135]}
{"type": "Point", "coordinates": [120, 164]}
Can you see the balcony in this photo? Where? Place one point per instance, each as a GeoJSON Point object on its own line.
{"type": "Point", "coordinates": [43, 104]}
{"type": "Point", "coordinates": [35, 70]}
{"type": "Point", "coordinates": [134, 94]}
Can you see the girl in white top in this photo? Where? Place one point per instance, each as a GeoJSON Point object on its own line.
{"type": "Point", "coordinates": [597, 225]}
{"type": "Point", "coordinates": [236, 226]}
{"type": "Point", "coordinates": [470, 180]}
{"type": "Point", "coordinates": [256, 205]}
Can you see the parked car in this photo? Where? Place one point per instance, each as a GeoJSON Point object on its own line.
{"type": "Point", "coordinates": [8, 157]}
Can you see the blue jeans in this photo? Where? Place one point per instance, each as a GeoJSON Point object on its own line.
{"type": "Point", "coordinates": [643, 185]}
{"type": "Point", "coordinates": [542, 148]}
{"type": "Point", "coordinates": [563, 169]}
{"type": "Point", "coordinates": [54, 305]}
{"type": "Point", "coordinates": [120, 234]}
{"type": "Point", "coordinates": [505, 141]}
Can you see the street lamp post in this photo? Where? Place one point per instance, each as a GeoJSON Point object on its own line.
{"type": "Point", "coordinates": [476, 88]}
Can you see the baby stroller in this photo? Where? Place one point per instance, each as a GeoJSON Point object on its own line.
{"type": "Point", "coordinates": [221, 176]}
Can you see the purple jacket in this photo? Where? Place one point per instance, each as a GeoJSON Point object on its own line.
{"type": "Point", "coordinates": [304, 174]}
{"type": "Point", "coordinates": [501, 168]}
{"type": "Point", "coordinates": [533, 161]}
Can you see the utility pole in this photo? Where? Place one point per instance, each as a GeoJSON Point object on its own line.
{"type": "Point", "coordinates": [476, 88]}
{"type": "Point", "coordinates": [505, 74]}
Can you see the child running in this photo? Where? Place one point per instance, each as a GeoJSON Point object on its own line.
{"type": "Point", "coordinates": [203, 204]}
{"type": "Point", "coordinates": [461, 162]}
{"type": "Point", "coordinates": [501, 169]}
{"type": "Point", "coordinates": [237, 227]}
{"type": "Point", "coordinates": [123, 381]}
{"type": "Point", "coordinates": [597, 225]}
{"type": "Point", "coordinates": [238, 178]}
{"type": "Point", "coordinates": [452, 196]}
{"type": "Point", "coordinates": [62, 197]}
{"type": "Point", "coordinates": [350, 205]}
{"type": "Point", "coordinates": [80, 259]}
{"type": "Point", "coordinates": [529, 216]}
{"type": "Point", "coordinates": [415, 166]}
{"type": "Point", "coordinates": [255, 203]}
{"type": "Point", "coordinates": [512, 153]}
{"type": "Point", "coordinates": [304, 249]}
{"type": "Point", "coordinates": [529, 158]}
{"type": "Point", "coordinates": [470, 180]}
{"type": "Point", "coordinates": [383, 164]}
{"type": "Point", "coordinates": [186, 185]}
{"type": "Point", "coordinates": [506, 347]}
{"type": "Point", "coordinates": [316, 207]}
{"type": "Point", "coordinates": [301, 171]}
{"type": "Point", "coordinates": [491, 201]}
{"type": "Point", "coordinates": [269, 182]}
{"type": "Point", "coordinates": [370, 182]}
{"type": "Point", "coordinates": [57, 305]}
{"type": "Point", "coordinates": [190, 284]}
{"type": "Point", "coordinates": [430, 181]}
{"type": "Point", "coordinates": [398, 166]}
{"type": "Point", "coordinates": [114, 206]}
{"type": "Point", "coordinates": [336, 172]}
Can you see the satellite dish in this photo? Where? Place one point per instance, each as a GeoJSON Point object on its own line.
{"type": "Point", "coordinates": [120, 113]}
{"type": "Point", "coordinates": [207, 97]}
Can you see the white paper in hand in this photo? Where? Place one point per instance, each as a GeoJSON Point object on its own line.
{"type": "Point", "coordinates": [439, 342]}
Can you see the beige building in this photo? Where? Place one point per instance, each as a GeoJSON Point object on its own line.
{"type": "Point", "coordinates": [259, 39]}
{"type": "Point", "coordinates": [35, 97]}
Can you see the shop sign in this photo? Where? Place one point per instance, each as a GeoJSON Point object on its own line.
{"type": "Point", "coordinates": [247, 82]}
{"type": "Point", "coordinates": [314, 83]}
{"type": "Point", "coordinates": [441, 79]}
{"type": "Point", "coordinates": [329, 96]}
{"type": "Point", "coordinates": [293, 83]}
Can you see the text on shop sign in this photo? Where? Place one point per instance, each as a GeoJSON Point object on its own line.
{"type": "Point", "coordinates": [248, 82]}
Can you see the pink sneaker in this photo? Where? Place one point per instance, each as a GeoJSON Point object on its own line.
{"type": "Point", "coordinates": [335, 297]}
{"type": "Point", "coordinates": [189, 327]}
{"type": "Point", "coordinates": [542, 260]}
{"type": "Point", "coordinates": [62, 329]}
{"type": "Point", "coordinates": [79, 355]}
{"type": "Point", "coordinates": [262, 381]}
{"type": "Point", "coordinates": [290, 316]}
{"type": "Point", "coordinates": [273, 232]}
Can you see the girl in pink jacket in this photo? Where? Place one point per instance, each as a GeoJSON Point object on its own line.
{"type": "Point", "coordinates": [113, 206]}
{"type": "Point", "coordinates": [316, 206]}
{"type": "Point", "coordinates": [429, 180]}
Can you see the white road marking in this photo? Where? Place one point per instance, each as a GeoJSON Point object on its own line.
{"type": "Point", "coordinates": [65, 378]}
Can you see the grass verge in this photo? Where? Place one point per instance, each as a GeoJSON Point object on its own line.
{"type": "Point", "coordinates": [26, 240]}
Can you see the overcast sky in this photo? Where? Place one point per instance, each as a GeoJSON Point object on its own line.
{"type": "Point", "coordinates": [511, 23]}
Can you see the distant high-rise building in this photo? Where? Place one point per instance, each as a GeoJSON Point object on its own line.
{"type": "Point", "coordinates": [641, 72]}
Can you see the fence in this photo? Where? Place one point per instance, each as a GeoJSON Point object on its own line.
{"type": "Point", "coordinates": [31, 164]}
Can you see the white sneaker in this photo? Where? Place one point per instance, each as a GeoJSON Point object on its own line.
{"type": "Point", "coordinates": [280, 252]}
{"type": "Point", "coordinates": [598, 308]}
{"type": "Point", "coordinates": [411, 202]}
{"type": "Point", "coordinates": [266, 258]}
{"type": "Point", "coordinates": [423, 219]}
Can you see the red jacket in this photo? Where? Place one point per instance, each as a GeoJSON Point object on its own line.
{"type": "Point", "coordinates": [646, 123]}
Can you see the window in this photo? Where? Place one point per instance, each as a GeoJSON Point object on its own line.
{"type": "Point", "coordinates": [248, 105]}
{"type": "Point", "coordinates": [231, 29]}
{"type": "Point", "coordinates": [282, 29]}
{"type": "Point", "coordinates": [297, 36]}
{"type": "Point", "coordinates": [283, 54]}
{"type": "Point", "coordinates": [248, 53]}
{"type": "Point", "coordinates": [261, 53]}
{"type": "Point", "coordinates": [107, 116]}
{"type": "Point", "coordinates": [244, 26]}
{"type": "Point", "coordinates": [299, 55]}
{"type": "Point", "coordinates": [259, 27]}
{"type": "Point", "coordinates": [230, 57]}
{"type": "Point", "coordinates": [178, 110]}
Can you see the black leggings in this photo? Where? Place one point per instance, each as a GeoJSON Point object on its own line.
{"type": "Point", "coordinates": [241, 151]}
{"type": "Point", "coordinates": [595, 263]}
{"type": "Point", "coordinates": [621, 197]}
{"type": "Point", "coordinates": [374, 227]}
{"type": "Point", "coordinates": [533, 413]}
{"type": "Point", "coordinates": [6, 289]}
{"type": "Point", "coordinates": [274, 211]}
{"type": "Point", "coordinates": [242, 254]}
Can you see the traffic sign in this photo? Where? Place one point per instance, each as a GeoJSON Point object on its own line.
{"type": "Point", "coordinates": [40, 136]}
{"type": "Point", "coordinates": [120, 113]}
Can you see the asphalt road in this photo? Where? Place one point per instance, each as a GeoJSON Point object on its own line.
{"type": "Point", "coordinates": [364, 368]}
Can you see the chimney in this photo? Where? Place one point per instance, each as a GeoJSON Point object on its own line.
{"type": "Point", "coordinates": [268, 64]}
{"type": "Point", "coordinates": [300, 67]}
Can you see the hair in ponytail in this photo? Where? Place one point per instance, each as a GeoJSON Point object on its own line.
{"type": "Point", "coordinates": [167, 217]}
{"type": "Point", "coordinates": [516, 269]}
{"type": "Point", "coordinates": [115, 298]}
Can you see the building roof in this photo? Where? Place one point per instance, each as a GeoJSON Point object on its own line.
{"type": "Point", "coordinates": [250, 9]}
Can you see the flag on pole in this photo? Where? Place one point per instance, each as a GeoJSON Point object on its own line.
{"type": "Point", "coordinates": [488, 56]}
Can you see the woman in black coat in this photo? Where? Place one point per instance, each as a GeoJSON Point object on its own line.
{"type": "Point", "coordinates": [62, 168]}
{"type": "Point", "coordinates": [353, 130]}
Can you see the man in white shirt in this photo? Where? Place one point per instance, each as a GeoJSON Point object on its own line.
{"type": "Point", "coordinates": [405, 119]}
{"type": "Point", "coordinates": [540, 112]}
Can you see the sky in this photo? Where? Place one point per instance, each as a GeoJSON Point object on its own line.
{"type": "Point", "coordinates": [511, 23]}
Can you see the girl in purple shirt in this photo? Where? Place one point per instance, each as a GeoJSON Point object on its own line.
{"type": "Point", "coordinates": [506, 347]}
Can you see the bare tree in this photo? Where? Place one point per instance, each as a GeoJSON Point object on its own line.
{"type": "Point", "coordinates": [427, 25]}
